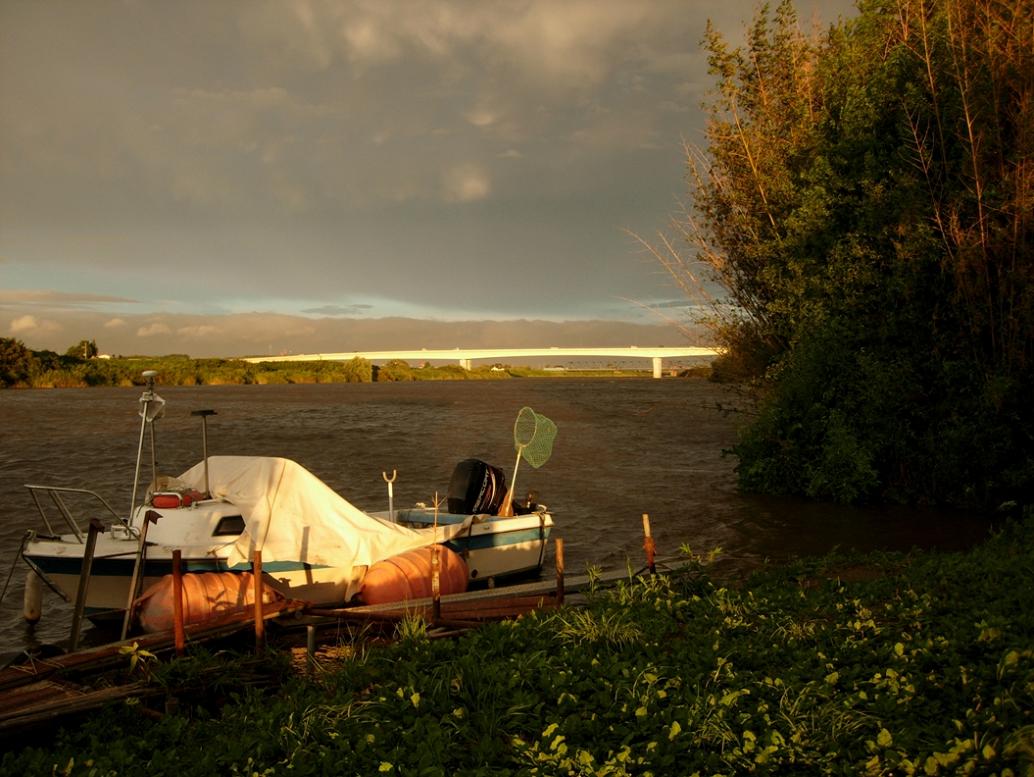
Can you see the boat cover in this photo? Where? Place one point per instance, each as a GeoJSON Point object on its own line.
{"type": "Point", "coordinates": [292, 515]}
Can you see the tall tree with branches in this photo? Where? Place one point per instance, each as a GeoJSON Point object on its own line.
{"type": "Point", "coordinates": [866, 198]}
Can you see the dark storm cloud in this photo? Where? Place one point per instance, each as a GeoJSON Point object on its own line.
{"type": "Point", "coordinates": [474, 158]}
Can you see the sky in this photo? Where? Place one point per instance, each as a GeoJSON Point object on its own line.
{"type": "Point", "coordinates": [276, 176]}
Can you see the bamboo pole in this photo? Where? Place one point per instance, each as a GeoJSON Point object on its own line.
{"type": "Point", "coordinates": [559, 570]}
{"type": "Point", "coordinates": [436, 585]}
{"type": "Point", "coordinates": [260, 624]}
{"type": "Point", "coordinates": [177, 602]}
{"type": "Point", "coordinates": [648, 545]}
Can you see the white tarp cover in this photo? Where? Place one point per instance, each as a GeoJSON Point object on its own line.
{"type": "Point", "coordinates": [292, 515]}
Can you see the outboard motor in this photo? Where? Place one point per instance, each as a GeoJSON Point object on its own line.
{"type": "Point", "coordinates": [476, 488]}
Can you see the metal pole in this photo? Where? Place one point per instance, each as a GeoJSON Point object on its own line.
{"type": "Point", "coordinates": [154, 461]}
{"type": "Point", "coordinates": [84, 582]}
{"type": "Point", "coordinates": [204, 442]}
{"type": "Point", "coordinates": [145, 399]}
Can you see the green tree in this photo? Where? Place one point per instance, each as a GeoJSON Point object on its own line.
{"type": "Point", "coordinates": [84, 349]}
{"type": "Point", "coordinates": [16, 362]}
{"type": "Point", "coordinates": [395, 370]}
{"type": "Point", "coordinates": [865, 199]}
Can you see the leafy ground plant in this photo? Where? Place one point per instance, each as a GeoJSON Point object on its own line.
{"type": "Point", "coordinates": [923, 665]}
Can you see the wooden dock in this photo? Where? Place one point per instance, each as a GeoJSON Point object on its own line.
{"type": "Point", "coordinates": [43, 690]}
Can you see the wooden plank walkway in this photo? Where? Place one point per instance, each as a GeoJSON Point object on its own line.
{"type": "Point", "coordinates": [43, 690]}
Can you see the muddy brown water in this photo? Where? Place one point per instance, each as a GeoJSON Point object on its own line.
{"type": "Point", "coordinates": [625, 447]}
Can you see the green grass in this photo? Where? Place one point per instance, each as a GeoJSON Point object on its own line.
{"type": "Point", "coordinates": [885, 664]}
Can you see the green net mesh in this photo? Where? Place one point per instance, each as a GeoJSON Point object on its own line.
{"type": "Point", "coordinates": [533, 436]}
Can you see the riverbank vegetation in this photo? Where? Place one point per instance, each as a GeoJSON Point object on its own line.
{"type": "Point", "coordinates": [865, 197]}
{"type": "Point", "coordinates": [80, 367]}
{"type": "Point", "coordinates": [917, 663]}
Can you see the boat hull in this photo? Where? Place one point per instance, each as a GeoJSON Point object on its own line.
{"type": "Point", "coordinates": [59, 562]}
{"type": "Point", "coordinates": [494, 547]}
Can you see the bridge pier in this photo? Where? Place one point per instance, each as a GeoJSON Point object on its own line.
{"type": "Point", "coordinates": [657, 366]}
{"type": "Point", "coordinates": [465, 363]}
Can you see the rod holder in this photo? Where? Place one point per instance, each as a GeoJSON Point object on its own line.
{"type": "Point", "coordinates": [391, 493]}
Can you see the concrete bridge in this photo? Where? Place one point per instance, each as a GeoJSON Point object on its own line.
{"type": "Point", "coordinates": [465, 356]}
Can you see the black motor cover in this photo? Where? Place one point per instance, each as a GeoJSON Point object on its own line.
{"type": "Point", "coordinates": [476, 488]}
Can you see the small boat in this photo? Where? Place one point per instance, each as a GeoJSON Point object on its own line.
{"type": "Point", "coordinates": [316, 546]}
{"type": "Point", "coordinates": [496, 547]}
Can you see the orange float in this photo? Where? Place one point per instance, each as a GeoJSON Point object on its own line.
{"type": "Point", "coordinates": [173, 499]}
{"type": "Point", "coordinates": [407, 576]}
{"type": "Point", "coordinates": [206, 595]}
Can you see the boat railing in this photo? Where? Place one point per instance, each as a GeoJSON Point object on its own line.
{"type": "Point", "coordinates": [57, 496]}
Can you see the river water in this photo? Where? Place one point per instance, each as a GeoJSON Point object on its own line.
{"type": "Point", "coordinates": [625, 447]}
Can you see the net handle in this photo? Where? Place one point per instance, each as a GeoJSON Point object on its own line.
{"type": "Point", "coordinates": [506, 509]}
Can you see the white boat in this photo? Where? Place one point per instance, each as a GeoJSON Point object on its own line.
{"type": "Point", "coordinates": [495, 548]}
{"type": "Point", "coordinates": [316, 546]}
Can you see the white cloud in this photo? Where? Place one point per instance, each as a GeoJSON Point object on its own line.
{"type": "Point", "coordinates": [33, 325]}
{"type": "Point", "coordinates": [154, 329]}
{"type": "Point", "coordinates": [481, 116]}
{"type": "Point", "coordinates": [466, 183]}
{"type": "Point", "coordinates": [114, 323]}
{"type": "Point", "coordinates": [554, 44]}
{"type": "Point", "coordinates": [200, 330]}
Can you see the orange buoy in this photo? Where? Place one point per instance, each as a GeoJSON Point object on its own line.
{"type": "Point", "coordinates": [173, 499]}
{"type": "Point", "coordinates": [408, 576]}
{"type": "Point", "coordinates": [206, 595]}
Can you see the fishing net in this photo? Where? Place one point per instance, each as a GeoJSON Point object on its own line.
{"type": "Point", "coordinates": [533, 436]}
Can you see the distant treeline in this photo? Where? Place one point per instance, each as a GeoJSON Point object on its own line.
{"type": "Point", "coordinates": [80, 367]}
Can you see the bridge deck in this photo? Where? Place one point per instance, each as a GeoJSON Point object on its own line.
{"type": "Point", "coordinates": [465, 354]}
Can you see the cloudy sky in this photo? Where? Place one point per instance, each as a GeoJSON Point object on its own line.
{"type": "Point", "coordinates": [219, 178]}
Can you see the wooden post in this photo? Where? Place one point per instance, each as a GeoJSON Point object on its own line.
{"type": "Point", "coordinates": [649, 545]}
{"type": "Point", "coordinates": [138, 569]}
{"type": "Point", "coordinates": [559, 570]}
{"type": "Point", "coordinates": [260, 623]}
{"type": "Point", "coordinates": [177, 602]}
{"type": "Point", "coordinates": [436, 585]}
{"type": "Point", "coordinates": [310, 647]}
{"type": "Point", "coordinates": [84, 582]}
